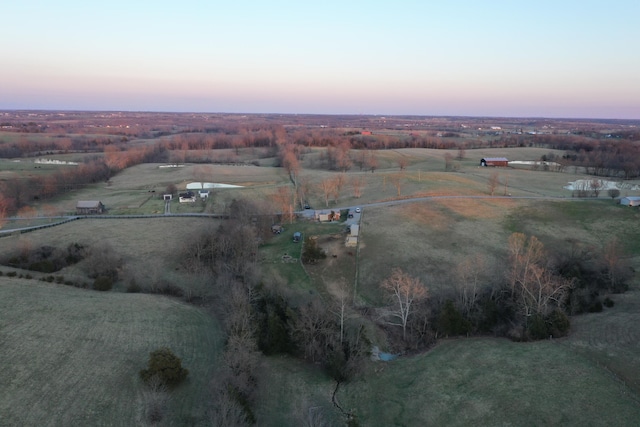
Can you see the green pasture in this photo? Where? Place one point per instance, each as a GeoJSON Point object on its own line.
{"type": "Point", "coordinates": [491, 382]}
{"type": "Point", "coordinates": [282, 245]}
{"type": "Point", "coordinates": [72, 357]}
{"type": "Point", "coordinates": [290, 391]}
{"type": "Point", "coordinates": [151, 249]}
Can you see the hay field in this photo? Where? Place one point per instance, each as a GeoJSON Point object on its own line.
{"type": "Point", "coordinates": [428, 239]}
{"type": "Point", "coordinates": [72, 357]}
{"type": "Point", "coordinates": [484, 381]}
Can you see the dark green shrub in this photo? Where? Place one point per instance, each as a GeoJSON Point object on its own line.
{"type": "Point", "coordinates": [69, 283]}
{"type": "Point", "coordinates": [1, 273]}
{"type": "Point", "coordinates": [28, 276]}
{"type": "Point", "coordinates": [451, 321]}
{"type": "Point", "coordinates": [537, 328]}
{"type": "Point", "coordinates": [559, 324]}
{"type": "Point", "coordinates": [312, 253]}
{"type": "Point", "coordinates": [43, 266]}
{"type": "Point", "coordinates": [596, 307]}
{"type": "Point", "coordinates": [50, 279]}
{"type": "Point", "coordinates": [12, 274]}
{"type": "Point", "coordinates": [133, 287]}
{"type": "Point", "coordinates": [60, 279]}
{"type": "Point", "coordinates": [608, 302]}
{"type": "Point", "coordinates": [164, 366]}
{"type": "Point", "coordinates": [103, 283]}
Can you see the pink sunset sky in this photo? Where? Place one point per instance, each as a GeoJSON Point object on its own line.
{"type": "Point", "coordinates": [543, 59]}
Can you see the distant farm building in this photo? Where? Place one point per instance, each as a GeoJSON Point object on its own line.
{"type": "Point", "coordinates": [167, 197]}
{"type": "Point", "coordinates": [630, 201]}
{"type": "Point", "coordinates": [89, 207]}
{"type": "Point", "coordinates": [204, 194]}
{"type": "Point", "coordinates": [494, 161]}
{"type": "Point", "coordinates": [188, 197]}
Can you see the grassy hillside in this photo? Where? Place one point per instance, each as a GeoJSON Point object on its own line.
{"type": "Point", "coordinates": [429, 239]}
{"type": "Point", "coordinates": [491, 382]}
{"type": "Point", "coordinates": [72, 357]}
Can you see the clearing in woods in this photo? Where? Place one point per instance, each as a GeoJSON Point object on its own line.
{"type": "Point", "coordinates": [72, 357]}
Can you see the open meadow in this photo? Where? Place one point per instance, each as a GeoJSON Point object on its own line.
{"type": "Point", "coordinates": [72, 357]}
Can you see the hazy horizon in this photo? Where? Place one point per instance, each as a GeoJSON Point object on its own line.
{"type": "Point", "coordinates": [546, 60]}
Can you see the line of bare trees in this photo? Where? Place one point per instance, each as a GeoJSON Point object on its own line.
{"type": "Point", "coordinates": [532, 297]}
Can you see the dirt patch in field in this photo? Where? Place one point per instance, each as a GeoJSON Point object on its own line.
{"type": "Point", "coordinates": [338, 267]}
{"type": "Point", "coordinates": [427, 214]}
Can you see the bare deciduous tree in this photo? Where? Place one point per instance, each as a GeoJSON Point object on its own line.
{"type": "Point", "coordinates": [402, 162]}
{"type": "Point", "coordinates": [469, 274]}
{"type": "Point", "coordinates": [371, 162]}
{"type": "Point", "coordinates": [448, 161]}
{"type": "Point", "coordinates": [493, 182]}
{"type": "Point", "coordinates": [357, 183]}
{"type": "Point", "coordinates": [403, 290]}
{"type": "Point", "coordinates": [614, 266]}
{"type": "Point", "coordinates": [397, 179]}
{"type": "Point", "coordinates": [534, 287]}
{"type": "Point", "coordinates": [326, 187]}
{"type": "Point", "coordinates": [613, 192]}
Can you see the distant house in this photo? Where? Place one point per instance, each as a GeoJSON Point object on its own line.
{"type": "Point", "coordinates": [494, 161]}
{"type": "Point", "coordinates": [204, 194]}
{"type": "Point", "coordinates": [630, 201]}
{"type": "Point", "coordinates": [89, 207]}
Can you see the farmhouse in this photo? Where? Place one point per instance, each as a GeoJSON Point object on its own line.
{"type": "Point", "coordinates": [630, 201]}
{"type": "Point", "coordinates": [494, 161]}
{"type": "Point", "coordinates": [324, 216]}
{"type": "Point", "coordinates": [89, 207]}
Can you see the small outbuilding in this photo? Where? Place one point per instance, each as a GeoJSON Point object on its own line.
{"type": "Point", "coordinates": [630, 201]}
{"type": "Point", "coordinates": [494, 161]}
{"type": "Point", "coordinates": [297, 236]}
{"type": "Point", "coordinates": [89, 207]}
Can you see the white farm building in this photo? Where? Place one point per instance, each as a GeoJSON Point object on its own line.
{"type": "Point", "coordinates": [630, 201]}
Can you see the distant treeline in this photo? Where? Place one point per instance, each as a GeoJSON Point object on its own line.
{"type": "Point", "coordinates": [612, 155]}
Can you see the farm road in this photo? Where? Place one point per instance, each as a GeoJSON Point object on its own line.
{"type": "Point", "coordinates": [307, 213]}
{"type": "Point", "coordinates": [310, 213]}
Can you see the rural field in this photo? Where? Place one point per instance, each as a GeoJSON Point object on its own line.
{"type": "Point", "coordinates": [72, 357]}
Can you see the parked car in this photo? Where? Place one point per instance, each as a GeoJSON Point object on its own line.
{"type": "Point", "coordinates": [357, 210]}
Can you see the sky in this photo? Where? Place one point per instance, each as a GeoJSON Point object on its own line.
{"type": "Point", "coordinates": [505, 58]}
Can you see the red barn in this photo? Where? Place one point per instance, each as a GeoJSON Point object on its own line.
{"type": "Point", "coordinates": [494, 161]}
